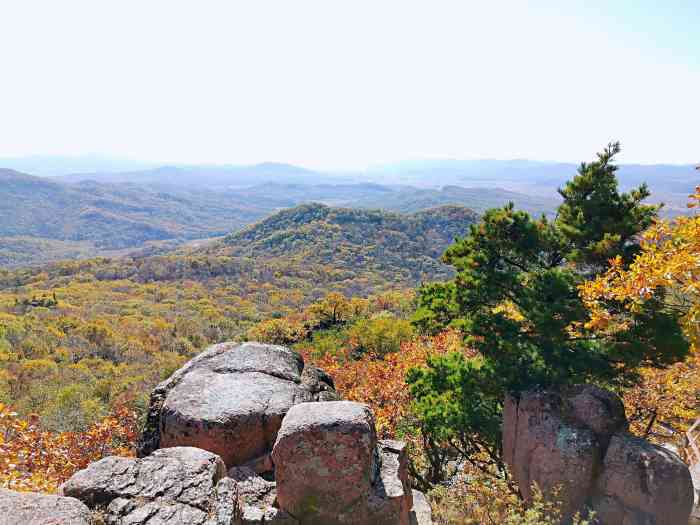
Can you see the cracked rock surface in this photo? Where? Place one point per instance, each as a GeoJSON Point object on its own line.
{"type": "Point", "coordinates": [258, 499]}
{"type": "Point", "coordinates": [34, 509]}
{"type": "Point", "coordinates": [173, 485]}
{"type": "Point", "coordinates": [230, 400]}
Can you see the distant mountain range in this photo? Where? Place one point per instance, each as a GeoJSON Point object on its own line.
{"type": "Point", "coordinates": [515, 175]}
{"type": "Point", "coordinates": [101, 212]}
{"type": "Point", "coordinates": [43, 219]}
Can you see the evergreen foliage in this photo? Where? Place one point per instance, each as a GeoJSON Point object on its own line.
{"type": "Point", "coordinates": [515, 297]}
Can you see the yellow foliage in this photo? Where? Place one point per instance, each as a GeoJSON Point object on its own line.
{"type": "Point", "coordinates": [668, 268]}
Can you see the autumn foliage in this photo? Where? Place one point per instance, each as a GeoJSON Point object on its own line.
{"type": "Point", "coordinates": [667, 270]}
{"type": "Point", "coordinates": [381, 383]}
{"type": "Point", "coordinates": [38, 460]}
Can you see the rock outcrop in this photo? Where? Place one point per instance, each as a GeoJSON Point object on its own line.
{"type": "Point", "coordinates": [330, 468]}
{"type": "Point", "coordinates": [577, 441]}
{"type": "Point", "coordinates": [172, 485]}
{"type": "Point", "coordinates": [41, 509]}
{"type": "Point", "coordinates": [230, 400]}
{"type": "Point", "coordinates": [291, 459]}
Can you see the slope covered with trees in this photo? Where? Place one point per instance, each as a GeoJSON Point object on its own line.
{"type": "Point", "coordinates": [79, 338]}
{"type": "Point", "coordinates": [43, 219]}
{"type": "Point", "coordinates": [109, 217]}
{"type": "Point", "coordinates": [528, 301]}
{"type": "Point", "coordinates": [365, 241]}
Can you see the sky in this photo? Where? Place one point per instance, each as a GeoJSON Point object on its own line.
{"type": "Point", "coordinates": [346, 84]}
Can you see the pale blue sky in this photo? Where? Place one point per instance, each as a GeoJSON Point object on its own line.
{"type": "Point", "coordinates": [324, 83]}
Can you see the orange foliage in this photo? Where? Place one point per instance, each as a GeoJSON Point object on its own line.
{"type": "Point", "coordinates": [32, 459]}
{"type": "Point", "coordinates": [381, 383]}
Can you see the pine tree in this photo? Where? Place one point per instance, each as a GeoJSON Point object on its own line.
{"type": "Point", "coordinates": [516, 298]}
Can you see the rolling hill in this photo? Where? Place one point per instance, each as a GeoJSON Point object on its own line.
{"type": "Point", "coordinates": [43, 219]}
{"type": "Point", "coordinates": [354, 240]}
{"type": "Point", "coordinates": [153, 210]}
{"type": "Point", "coordinates": [103, 217]}
{"type": "Point", "coordinates": [307, 247]}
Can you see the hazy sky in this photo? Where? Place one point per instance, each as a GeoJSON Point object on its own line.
{"type": "Point", "coordinates": [329, 84]}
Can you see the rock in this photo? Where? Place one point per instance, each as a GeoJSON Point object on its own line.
{"type": "Point", "coordinates": [597, 409]}
{"type": "Point", "coordinates": [325, 461]}
{"type": "Point", "coordinates": [543, 444]}
{"type": "Point", "coordinates": [695, 475]}
{"type": "Point", "coordinates": [227, 509]}
{"type": "Point", "coordinates": [643, 483]}
{"type": "Point", "coordinates": [230, 400]}
{"type": "Point", "coordinates": [290, 460]}
{"type": "Point", "coordinates": [258, 499]}
{"type": "Point", "coordinates": [391, 499]}
{"type": "Point", "coordinates": [160, 512]}
{"type": "Point", "coordinates": [420, 513]}
{"type": "Point", "coordinates": [330, 469]}
{"type": "Point", "coordinates": [41, 509]}
{"type": "Point", "coordinates": [577, 440]}
{"type": "Point", "coordinates": [174, 485]}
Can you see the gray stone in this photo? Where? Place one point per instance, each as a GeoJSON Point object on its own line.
{"type": "Point", "coordinates": [169, 485]}
{"type": "Point", "coordinates": [230, 400]}
{"type": "Point", "coordinates": [41, 509]}
{"type": "Point", "coordinates": [391, 498]}
{"type": "Point", "coordinates": [257, 499]}
{"type": "Point", "coordinates": [227, 506]}
{"type": "Point", "coordinates": [695, 475]}
{"type": "Point", "coordinates": [421, 513]}
{"type": "Point", "coordinates": [158, 512]}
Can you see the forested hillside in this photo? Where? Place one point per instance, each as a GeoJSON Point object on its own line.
{"type": "Point", "coordinates": [114, 216]}
{"type": "Point", "coordinates": [42, 219]}
{"type": "Point", "coordinates": [77, 336]}
{"type": "Point", "coordinates": [353, 240]}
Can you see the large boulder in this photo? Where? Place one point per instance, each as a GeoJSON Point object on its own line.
{"type": "Point", "coordinates": [325, 460]}
{"type": "Point", "coordinates": [330, 469]}
{"type": "Point", "coordinates": [230, 400]}
{"type": "Point", "coordinates": [545, 447]}
{"type": "Point", "coordinates": [643, 483]}
{"type": "Point", "coordinates": [577, 441]}
{"type": "Point", "coordinates": [174, 485]}
{"type": "Point", "coordinates": [41, 509]}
